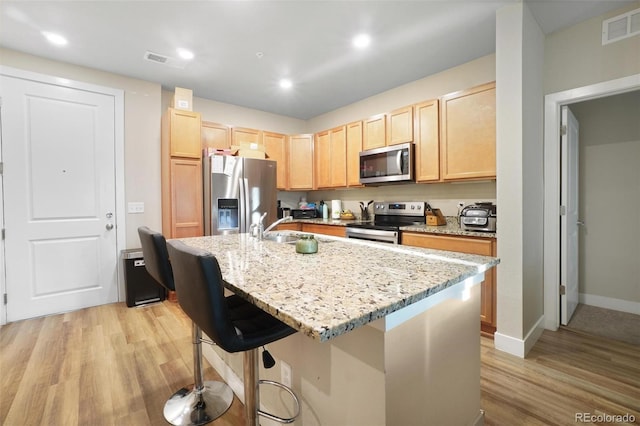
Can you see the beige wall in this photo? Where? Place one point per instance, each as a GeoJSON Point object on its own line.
{"type": "Point", "coordinates": [609, 200]}
{"type": "Point", "coordinates": [575, 57]}
{"type": "Point", "coordinates": [141, 131]}
{"type": "Point", "coordinates": [519, 52]}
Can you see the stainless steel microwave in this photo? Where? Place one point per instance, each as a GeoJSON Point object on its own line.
{"type": "Point", "coordinates": [389, 164]}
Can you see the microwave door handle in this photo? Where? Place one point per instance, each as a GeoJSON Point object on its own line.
{"type": "Point", "coordinates": [399, 161]}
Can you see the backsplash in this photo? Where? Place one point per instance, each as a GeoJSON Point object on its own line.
{"type": "Point", "coordinates": [444, 196]}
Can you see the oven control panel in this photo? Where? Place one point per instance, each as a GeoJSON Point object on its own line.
{"type": "Point", "coordinates": [405, 208]}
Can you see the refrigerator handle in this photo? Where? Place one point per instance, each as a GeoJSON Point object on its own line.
{"type": "Point", "coordinates": [245, 214]}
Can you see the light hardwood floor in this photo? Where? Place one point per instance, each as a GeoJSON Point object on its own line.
{"type": "Point", "coordinates": [113, 365]}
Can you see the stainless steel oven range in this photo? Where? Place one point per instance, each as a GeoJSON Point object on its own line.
{"type": "Point", "coordinates": [388, 218]}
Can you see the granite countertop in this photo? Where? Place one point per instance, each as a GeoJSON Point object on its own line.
{"type": "Point", "coordinates": [347, 284]}
{"type": "Point", "coordinates": [451, 228]}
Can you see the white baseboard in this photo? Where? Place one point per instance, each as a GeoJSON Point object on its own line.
{"type": "Point", "coordinates": [516, 346]}
{"type": "Point", "coordinates": [610, 303]}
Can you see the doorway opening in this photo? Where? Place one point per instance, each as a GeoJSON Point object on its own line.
{"type": "Point", "coordinates": [599, 208]}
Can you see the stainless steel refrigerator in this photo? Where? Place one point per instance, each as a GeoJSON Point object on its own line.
{"type": "Point", "coordinates": [237, 191]}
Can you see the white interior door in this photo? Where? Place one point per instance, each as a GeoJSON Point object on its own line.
{"type": "Point", "coordinates": [569, 220]}
{"type": "Point", "coordinates": [59, 197]}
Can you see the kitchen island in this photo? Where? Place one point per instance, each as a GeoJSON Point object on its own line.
{"type": "Point", "coordinates": [388, 334]}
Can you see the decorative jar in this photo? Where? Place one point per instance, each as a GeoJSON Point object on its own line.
{"type": "Point", "coordinates": [306, 244]}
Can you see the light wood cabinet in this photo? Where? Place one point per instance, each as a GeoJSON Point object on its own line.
{"type": "Point", "coordinates": [323, 159]}
{"type": "Point", "coordinates": [181, 174]}
{"type": "Point", "coordinates": [241, 134]}
{"type": "Point", "coordinates": [315, 228]}
{"type": "Point", "coordinates": [184, 133]}
{"type": "Point", "coordinates": [375, 132]}
{"type": "Point", "coordinates": [275, 145]}
{"type": "Point", "coordinates": [186, 197]}
{"type": "Point", "coordinates": [338, 137]}
{"type": "Point", "coordinates": [354, 146]}
{"type": "Point", "coordinates": [427, 141]}
{"type": "Point", "coordinates": [469, 245]}
{"type": "Point", "coordinates": [215, 135]}
{"type": "Point", "coordinates": [400, 126]}
{"type": "Point", "coordinates": [300, 162]}
{"type": "Point", "coordinates": [468, 134]}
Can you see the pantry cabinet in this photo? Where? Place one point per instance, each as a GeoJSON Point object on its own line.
{"type": "Point", "coordinates": [400, 126]}
{"type": "Point", "coordinates": [214, 135]}
{"type": "Point", "coordinates": [184, 133]}
{"type": "Point", "coordinates": [468, 134]}
{"type": "Point", "coordinates": [469, 245]}
{"type": "Point", "coordinates": [427, 140]}
{"type": "Point", "coordinates": [375, 132]}
{"type": "Point", "coordinates": [354, 146]}
{"type": "Point", "coordinates": [275, 145]}
{"type": "Point", "coordinates": [300, 161]}
{"type": "Point", "coordinates": [181, 174]}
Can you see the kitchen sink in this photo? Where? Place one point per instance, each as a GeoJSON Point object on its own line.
{"type": "Point", "coordinates": [281, 238]}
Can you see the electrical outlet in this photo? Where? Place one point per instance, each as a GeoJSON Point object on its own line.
{"type": "Point", "coordinates": [135, 207]}
{"type": "Point", "coordinates": [285, 374]}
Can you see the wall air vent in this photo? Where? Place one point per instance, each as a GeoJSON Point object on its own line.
{"type": "Point", "coordinates": [621, 27]}
{"type": "Point", "coordinates": [165, 60]}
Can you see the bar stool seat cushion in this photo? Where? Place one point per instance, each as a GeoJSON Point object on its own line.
{"type": "Point", "coordinates": [233, 323]}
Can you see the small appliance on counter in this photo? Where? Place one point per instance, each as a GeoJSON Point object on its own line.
{"type": "Point", "coordinates": [304, 213]}
{"type": "Point", "coordinates": [480, 216]}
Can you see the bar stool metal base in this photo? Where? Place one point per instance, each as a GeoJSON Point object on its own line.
{"type": "Point", "coordinates": [192, 407]}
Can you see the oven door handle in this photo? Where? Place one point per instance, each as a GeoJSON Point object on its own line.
{"type": "Point", "coordinates": [372, 234]}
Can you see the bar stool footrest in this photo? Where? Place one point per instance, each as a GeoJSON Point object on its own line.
{"type": "Point", "coordinates": [295, 400]}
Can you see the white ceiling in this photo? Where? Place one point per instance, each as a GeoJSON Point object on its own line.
{"type": "Point", "coordinates": [307, 41]}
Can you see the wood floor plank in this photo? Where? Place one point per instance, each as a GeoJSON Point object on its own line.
{"type": "Point", "coordinates": [113, 365]}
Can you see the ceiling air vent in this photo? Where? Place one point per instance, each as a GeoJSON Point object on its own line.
{"type": "Point", "coordinates": [621, 27]}
{"type": "Point", "coordinates": [165, 60]}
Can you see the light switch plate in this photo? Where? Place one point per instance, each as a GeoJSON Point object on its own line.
{"type": "Point", "coordinates": [137, 207]}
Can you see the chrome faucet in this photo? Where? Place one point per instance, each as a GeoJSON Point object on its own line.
{"type": "Point", "coordinates": [276, 223]}
{"type": "Point", "coordinates": [257, 229]}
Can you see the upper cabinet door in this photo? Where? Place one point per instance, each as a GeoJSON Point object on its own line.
{"type": "Point", "coordinates": [468, 134]}
{"type": "Point", "coordinates": [275, 145]}
{"type": "Point", "coordinates": [300, 162]}
{"type": "Point", "coordinates": [184, 133]}
{"type": "Point", "coordinates": [323, 159]}
{"type": "Point", "coordinates": [338, 138]}
{"type": "Point", "coordinates": [427, 141]}
{"type": "Point", "coordinates": [354, 146]}
{"type": "Point", "coordinates": [240, 135]}
{"type": "Point", "coordinates": [375, 132]}
{"type": "Point", "coordinates": [400, 126]}
{"type": "Point", "coordinates": [215, 135]}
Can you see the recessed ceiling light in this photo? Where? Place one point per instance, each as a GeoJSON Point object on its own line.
{"type": "Point", "coordinates": [54, 38]}
{"type": "Point", "coordinates": [285, 83]}
{"type": "Point", "coordinates": [185, 54]}
{"type": "Point", "coordinates": [361, 41]}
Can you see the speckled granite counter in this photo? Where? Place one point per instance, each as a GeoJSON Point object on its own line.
{"type": "Point", "coordinates": [347, 284]}
{"type": "Point", "coordinates": [451, 228]}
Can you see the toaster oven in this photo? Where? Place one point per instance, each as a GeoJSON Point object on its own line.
{"type": "Point", "coordinates": [480, 216]}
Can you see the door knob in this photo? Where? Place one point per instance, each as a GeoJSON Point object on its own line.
{"type": "Point", "coordinates": [109, 226]}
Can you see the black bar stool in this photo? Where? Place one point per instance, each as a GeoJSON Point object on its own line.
{"type": "Point", "coordinates": [231, 322]}
{"type": "Point", "coordinates": [202, 401]}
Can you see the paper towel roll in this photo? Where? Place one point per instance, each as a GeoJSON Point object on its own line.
{"type": "Point", "coordinates": [336, 208]}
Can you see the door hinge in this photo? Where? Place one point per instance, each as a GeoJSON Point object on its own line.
{"type": "Point", "coordinates": [563, 130]}
{"type": "Point", "coordinates": [563, 210]}
{"type": "Point", "coordinates": [1, 167]}
{"type": "Point", "coordinates": [563, 290]}
{"type": "Point", "coordinates": [2, 234]}
{"type": "Point", "coordinates": [4, 297]}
